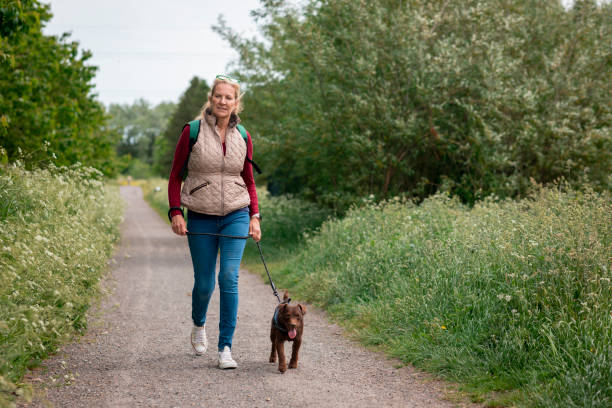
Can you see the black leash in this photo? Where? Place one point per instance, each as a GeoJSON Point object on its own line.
{"type": "Point", "coordinates": [260, 253]}
{"type": "Point", "coordinates": [266, 266]}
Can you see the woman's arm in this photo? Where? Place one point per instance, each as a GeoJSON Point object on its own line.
{"type": "Point", "coordinates": [174, 183]}
{"type": "Point", "coordinates": [181, 154]}
{"type": "Point", "coordinates": [249, 180]}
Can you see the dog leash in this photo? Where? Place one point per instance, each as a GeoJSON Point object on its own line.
{"type": "Point", "coordinates": [260, 253]}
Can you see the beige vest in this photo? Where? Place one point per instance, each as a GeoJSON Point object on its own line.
{"type": "Point", "coordinates": [213, 185]}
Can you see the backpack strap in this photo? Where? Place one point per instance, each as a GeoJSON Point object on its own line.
{"type": "Point", "coordinates": [243, 133]}
{"type": "Point", "coordinates": [194, 131]}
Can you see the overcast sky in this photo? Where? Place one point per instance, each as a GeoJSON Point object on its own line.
{"type": "Point", "coordinates": [151, 49]}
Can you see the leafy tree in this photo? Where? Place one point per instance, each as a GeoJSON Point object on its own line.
{"type": "Point", "coordinates": [140, 125]}
{"type": "Point", "coordinates": [188, 107]}
{"type": "Point", "coordinates": [351, 98]}
{"type": "Point", "coordinates": [46, 98]}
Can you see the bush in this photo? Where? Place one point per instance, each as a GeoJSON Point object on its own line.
{"type": "Point", "coordinates": [57, 229]}
{"type": "Point", "coordinates": [287, 222]}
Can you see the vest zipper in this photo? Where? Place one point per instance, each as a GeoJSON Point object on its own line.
{"type": "Point", "coordinates": [222, 172]}
{"type": "Point", "coordinates": [193, 190]}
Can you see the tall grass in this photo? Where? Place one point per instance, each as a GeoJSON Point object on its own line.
{"type": "Point", "coordinates": [57, 229]}
{"type": "Point", "coordinates": [504, 296]}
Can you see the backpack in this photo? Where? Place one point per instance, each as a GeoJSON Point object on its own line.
{"type": "Point", "coordinates": [194, 130]}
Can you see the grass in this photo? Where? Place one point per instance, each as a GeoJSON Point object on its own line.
{"type": "Point", "coordinates": [504, 296]}
{"type": "Point", "coordinates": [510, 298]}
{"type": "Point", "coordinates": [57, 231]}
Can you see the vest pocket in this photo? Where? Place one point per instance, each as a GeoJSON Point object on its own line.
{"type": "Point", "coordinates": [193, 190]}
{"type": "Point", "coordinates": [240, 184]}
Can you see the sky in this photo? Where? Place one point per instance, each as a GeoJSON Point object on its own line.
{"type": "Point", "coordinates": [151, 49]}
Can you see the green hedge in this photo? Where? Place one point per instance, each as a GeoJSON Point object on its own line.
{"type": "Point", "coordinates": [57, 230]}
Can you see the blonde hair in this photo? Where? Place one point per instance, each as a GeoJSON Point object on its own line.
{"type": "Point", "coordinates": [217, 81]}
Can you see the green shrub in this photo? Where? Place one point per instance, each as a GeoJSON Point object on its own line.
{"type": "Point", "coordinates": [57, 229]}
{"type": "Point", "coordinates": [504, 296]}
{"type": "Point", "coordinates": [287, 222]}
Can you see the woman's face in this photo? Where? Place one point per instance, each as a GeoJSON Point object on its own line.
{"type": "Point", "coordinates": [223, 100]}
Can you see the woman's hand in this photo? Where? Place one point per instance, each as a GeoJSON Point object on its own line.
{"type": "Point", "coordinates": [178, 225]}
{"type": "Point", "coordinates": [254, 229]}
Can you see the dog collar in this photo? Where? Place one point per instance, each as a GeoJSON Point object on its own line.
{"type": "Point", "coordinates": [275, 320]}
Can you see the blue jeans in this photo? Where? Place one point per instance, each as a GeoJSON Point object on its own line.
{"type": "Point", "coordinates": [204, 249]}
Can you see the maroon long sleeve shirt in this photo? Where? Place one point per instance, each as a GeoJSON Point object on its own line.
{"type": "Point", "coordinates": [180, 156]}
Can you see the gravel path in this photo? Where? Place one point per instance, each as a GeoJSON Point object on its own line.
{"type": "Point", "coordinates": [137, 351]}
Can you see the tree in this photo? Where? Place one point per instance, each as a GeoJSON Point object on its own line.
{"type": "Point", "coordinates": [139, 125]}
{"type": "Point", "coordinates": [188, 107]}
{"type": "Point", "coordinates": [351, 98]}
{"type": "Point", "coordinates": [46, 93]}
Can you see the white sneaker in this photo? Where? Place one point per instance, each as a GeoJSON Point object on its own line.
{"type": "Point", "coordinates": [198, 340]}
{"type": "Point", "coordinates": [225, 359]}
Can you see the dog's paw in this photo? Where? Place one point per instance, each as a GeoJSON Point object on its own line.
{"type": "Point", "coordinates": [293, 364]}
{"type": "Point", "coordinates": [272, 359]}
{"type": "Point", "coordinates": [282, 368]}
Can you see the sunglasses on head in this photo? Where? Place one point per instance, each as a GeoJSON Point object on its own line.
{"type": "Point", "coordinates": [228, 78]}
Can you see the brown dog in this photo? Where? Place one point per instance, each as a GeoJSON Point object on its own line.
{"type": "Point", "coordinates": [287, 325]}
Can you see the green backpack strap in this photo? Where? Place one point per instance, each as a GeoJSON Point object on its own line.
{"type": "Point", "coordinates": [243, 132]}
{"type": "Point", "coordinates": [194, 130]}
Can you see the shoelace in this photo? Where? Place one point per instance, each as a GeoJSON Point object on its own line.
{"type": "Point", "coordinates": [199, 336]}
{"type": "Point", "coordinates": [226, 355]}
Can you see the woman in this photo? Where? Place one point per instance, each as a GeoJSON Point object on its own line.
{"type": "Point", "coordinates": [219, 193]}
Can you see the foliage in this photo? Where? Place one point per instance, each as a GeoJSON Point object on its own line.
{"type": "Point", "coordinates": [139, 124]}
{"type": "Point", "coordinates": [57, 229]}
{"type": "Point", "coordinates": [504, 296]}
{"type": "Point", "coordinates": [155, 192]}
{"type": "Point", "coordinates": [46, 93]}
{"type": "Point", "coordinates": [350, 98]}
{"type": "Point", "coordinates": [286, 223]}
{"type": "Point", "coordinates": [188, 107]}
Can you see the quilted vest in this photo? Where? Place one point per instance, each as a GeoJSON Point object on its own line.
{"type": "Point", "coordinates": [213, 185]}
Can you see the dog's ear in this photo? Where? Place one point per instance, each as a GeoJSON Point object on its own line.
{"type": "Point", "coordinates": [282, 307]}
{"type": "Point", "coordinates": [303, 308]}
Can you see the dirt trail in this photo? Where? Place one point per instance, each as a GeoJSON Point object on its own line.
{"type": "Point", "coordinates": [137, 351]}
